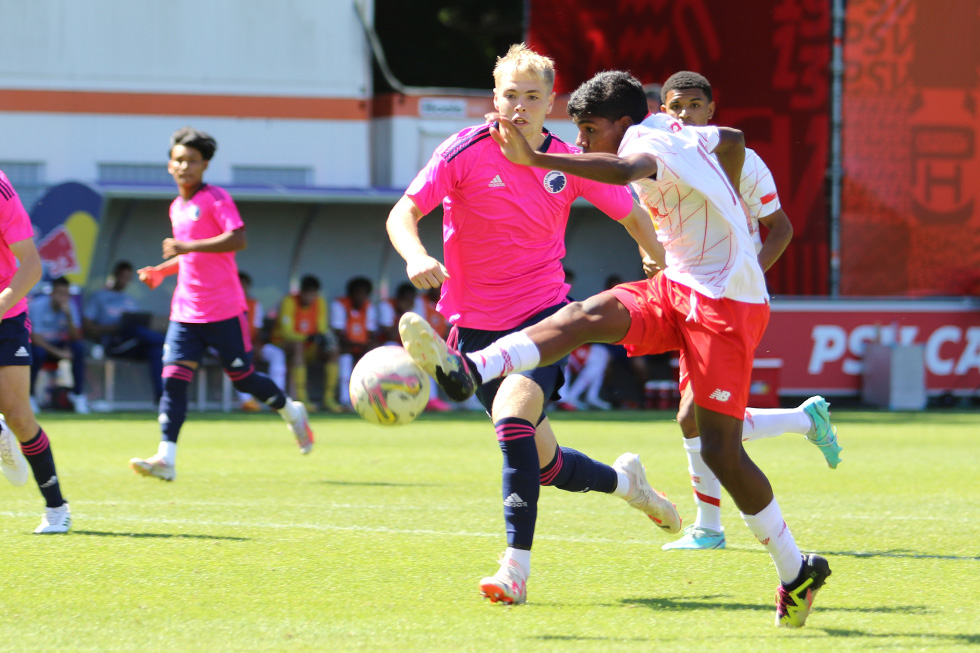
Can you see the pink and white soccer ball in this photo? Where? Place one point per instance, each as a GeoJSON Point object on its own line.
{"type": "Point", "coordinates": [388, 388]}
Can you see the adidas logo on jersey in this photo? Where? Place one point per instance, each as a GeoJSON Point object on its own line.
{"type": "Point", "coordinates": [515, 501]}
{"type": "Point", "coordinates": [21, 352]}
{"type": "Point", "coordinates": [497, 182]}
{"type": "Point", "coordinates": [720, 395]}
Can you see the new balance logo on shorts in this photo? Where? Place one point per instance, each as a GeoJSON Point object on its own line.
{"type": "Point", "coordinates": [720, 395]}
{"type": "Point", "coordinates": [497, 182]}
{"type": "Point", "coordinates": [22, 351]}
{"type": "Point", "coordinates": [515, 501]}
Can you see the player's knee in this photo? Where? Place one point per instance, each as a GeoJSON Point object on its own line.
{"type": "Point", "coordinates": [687, 421]}
{"type": "Point", "coordinates": [21, 421]}
{"type": "Point", "coordinates": [177, 377]}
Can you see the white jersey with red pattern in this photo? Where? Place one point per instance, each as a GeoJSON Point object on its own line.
{"type": "Point", "coordinates": [699, 217]}
{"type": "Point", "coordinates": [758, 190]}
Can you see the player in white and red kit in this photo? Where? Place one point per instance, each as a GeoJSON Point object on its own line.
{"type": "Point", "coordinates": [208, 308]}
{"type": "Point", "coordinates": [24, 446]}
{"type": "Point", "coordinates": [710, 302]}
{"type": "Point", "coordinates": [503, 241]}
{"type": "Point", "coordinates": [687, 96]}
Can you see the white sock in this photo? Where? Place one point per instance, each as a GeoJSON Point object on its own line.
{"type": "Point", "coordinates": [770, 529]}
{"type": "Point", "coordinates": [706, 486]}
{"type": "Point", "coordinates": [622, 484]}
{"type": "Point", "coordinates": [521, 557]}
{"type": "Point", "coordinates": [515, 352]}
{"type": "Point", "coordinates": [168, 451]}
{"type": "Point", "coordinates": [288, 412]}
{"type": "Point", "coordinates": [769, 422]}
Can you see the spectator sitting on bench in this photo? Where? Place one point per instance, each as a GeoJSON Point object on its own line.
{"type": "Point", "coordinates": [55, 336]}
{"type": "Point", "coordinates": [109, 320]}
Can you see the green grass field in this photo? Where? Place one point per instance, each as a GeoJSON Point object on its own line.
{"type": "Point", "coordinates": [378, 539]}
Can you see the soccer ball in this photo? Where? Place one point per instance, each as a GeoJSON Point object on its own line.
{"type": "Point", "coordinates": [387, 387]}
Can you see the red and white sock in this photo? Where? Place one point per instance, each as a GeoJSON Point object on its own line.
{"type": "Point", "coordinates": [707, 487]}
{"type": "Point", "coordinates": [515, 352]}
{"type": "Point", "coordinates": [771, 530]}
{"type": "Point", "coordinates": [762, 423]}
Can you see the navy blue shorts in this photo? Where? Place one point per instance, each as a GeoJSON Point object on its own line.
{"type": "Point", "coordinates": [188, 341]}
{"type": "Point", "coordinates": [549, 377]}
{"type": "Point", "coordinates": [15, 340]}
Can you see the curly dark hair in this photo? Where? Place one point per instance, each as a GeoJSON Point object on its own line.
{"type": "Point", "coordinates": [611, 94]}
{"type": "Point", "coordinates": [683, 80]}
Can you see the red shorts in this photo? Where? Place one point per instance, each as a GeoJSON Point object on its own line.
{"type": "Point", "coordinates": [717, 339]}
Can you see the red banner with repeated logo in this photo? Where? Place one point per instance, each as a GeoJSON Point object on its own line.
{"type": "Point", "coordinates": [910, 222]}
{"type": "Point", "coordinates": [769, 69]}
{"type": "Point", "coordinates": [822, 343]}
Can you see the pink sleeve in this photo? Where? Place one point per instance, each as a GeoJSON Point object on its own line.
{"type": "Point", "coordinates": [226, 214]}
{"type": "Point", "coordinates": [614, 201]}
{"type": "Point", "coordinates": [15, 224]}
{"type": "Point", "coordinates": [431, 185]}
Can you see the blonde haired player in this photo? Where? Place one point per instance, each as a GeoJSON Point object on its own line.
{"type": "Point", "coordinates": [503, 232]}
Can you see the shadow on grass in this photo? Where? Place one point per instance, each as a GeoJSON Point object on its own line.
{"type": "Point", "coordinates": [899, 553]}
{"type": "Point", "coordinates": [959, 638]}
{"type": "Point", "coordinates": [378, 484]}
{"type": "Point", "coordinates": [706, 603]}
{"type": "Point", "coordinates": [191, 536]}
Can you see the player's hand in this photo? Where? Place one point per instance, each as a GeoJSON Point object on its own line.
{"type": "Point", "coordinates": [150, 276]}
{"type": "Point", "coordinates": [173, 247]}
{"type": "Point", "coordinates": [512, 143]}
{"type": "Point", "coordinates": [650, 267]}
{"type": "Point", "coordinates": [426, 272]}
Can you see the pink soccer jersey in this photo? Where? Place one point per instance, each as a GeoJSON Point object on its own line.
{"type": "Point", "coordinates": [699, 218]}
{"type": "Point", "coordinates": [503, 227]}
{"type": "Point", "coordinates": [15, 226]}
{"type": "Point", "coordinates": [758, 190]}
{"type": "Point", "coordinates": [208, 289]}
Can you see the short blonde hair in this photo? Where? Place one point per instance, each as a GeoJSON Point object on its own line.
{"type": "Point", "coordinates": [522, 59]}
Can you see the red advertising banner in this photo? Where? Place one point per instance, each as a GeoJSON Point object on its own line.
{"type": "Point", "coordinates": [821, 343]}
{"type": "Point", "coordinates": [910, 221]}
{"type": "Point", "coordinates": [768, 64]}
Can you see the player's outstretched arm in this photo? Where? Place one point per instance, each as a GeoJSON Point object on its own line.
{"type": "Point", "coordinates": [423, 270]}
{"type": "Point", "coordinates": [598, 166]}
{"type": "Point", "coordinates": [780, 233]}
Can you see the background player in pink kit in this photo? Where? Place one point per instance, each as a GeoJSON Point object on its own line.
{"type": "Point", "coordinates": [687, 97]}
{"type": "Point", "coordinates": [503, 233]}
{"type": "Point", "coordinates": [208, 308]}
{"type": "Point", "coordinates": [20, 269]}
{"type": "Point", "coordinates": [710, 302]}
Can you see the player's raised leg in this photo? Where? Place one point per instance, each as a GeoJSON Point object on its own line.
{"type": "Point", "coordinates": [810, 419]}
